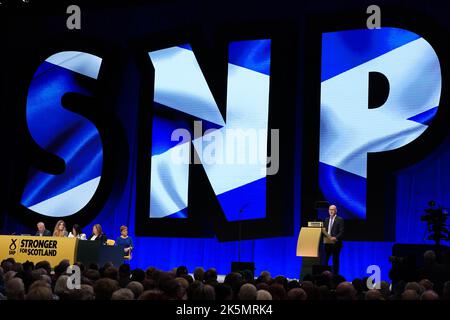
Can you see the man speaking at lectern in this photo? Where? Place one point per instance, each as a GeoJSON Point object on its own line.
{"type": "Point", "coordinates": [334, 225]}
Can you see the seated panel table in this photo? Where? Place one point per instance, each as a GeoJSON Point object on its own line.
{"type": "Point", "coordinates": [36, 249]}
{"type": "Point", "coordinates": [55, 249]}
{"type": "Point", "coordinates": [94, 252]}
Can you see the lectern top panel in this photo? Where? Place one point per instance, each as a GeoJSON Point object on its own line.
{"type": "Point", "coordinates": [315, 224]}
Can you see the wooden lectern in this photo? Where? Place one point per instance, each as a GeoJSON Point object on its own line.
{"type": "Point", "coordinates": [308, 246]}
{"type": "Point", "coordinates": [308, 242]}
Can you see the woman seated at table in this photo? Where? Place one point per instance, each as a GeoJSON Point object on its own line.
{"type": "Point", "coordinates": [97, 234]}
{"type": "Point", "coordinates": [60, 229]}
{"type": "Point", "coordinates": [124, 241]}
{"type": "Point", "coordinates": [77, 232]}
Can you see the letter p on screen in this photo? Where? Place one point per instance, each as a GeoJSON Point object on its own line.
{"type": "Point", "coordinates": [350, 127]}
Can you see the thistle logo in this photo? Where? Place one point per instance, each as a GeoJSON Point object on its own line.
{"type": "Point", "coordinates": [13, 246]}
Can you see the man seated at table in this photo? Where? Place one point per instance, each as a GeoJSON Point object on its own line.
{"type": "Point", "coordinates": [42, 232]}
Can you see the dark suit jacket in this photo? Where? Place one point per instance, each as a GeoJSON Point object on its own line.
{"type": "Point", "coordinates": [47, 233]}
{"type": "Point", "coordinates": [337, 230]}
{"type": "Point", "coordinates": [102, 238]}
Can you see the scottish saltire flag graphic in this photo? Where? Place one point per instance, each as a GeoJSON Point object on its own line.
{"type": "Point", "coordinates": [349, 130]}
{"type": "Point", "coordinates": [63, 133]}
{"type": "Point", "coordinates": [182, 96]}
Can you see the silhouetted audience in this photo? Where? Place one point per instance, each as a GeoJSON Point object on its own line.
{"type": "Point", "coordinates": [108, 282]}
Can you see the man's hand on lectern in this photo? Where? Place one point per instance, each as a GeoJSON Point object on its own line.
{"type": "Point", "coordinates": [333, 239]}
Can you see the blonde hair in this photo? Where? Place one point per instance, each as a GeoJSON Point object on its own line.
{"type": "Point", "coordinates": [57, 232]}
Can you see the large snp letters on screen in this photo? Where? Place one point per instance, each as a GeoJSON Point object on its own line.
{"type": "Point", "coordinates": [64, 133]}
{"type": "Point", "coordinates": [181, 89]}
{"type": "Point", "coordinates": [181, 96]}
{"type": "Point", "coordinates": [349, 129]}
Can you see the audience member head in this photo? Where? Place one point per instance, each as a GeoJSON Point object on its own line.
{"type": "Point", "coordinates": [410, 294]}
{"type": "Point", "coordinates": [277, 291]}
{"type": "Point", "coordinates": [111, 273]}
{"type": "Point", "coordinates": [172, 289]}
{"type": "Point", "coordinates": [429, 295]}
{"type": "Point", "coordinates": [123, 294]}
{"type": "Point", "coordinates": [181, 271]}
{"type": "Point", "coordinates": [9, 275]}
{"type": "Point", "coordinates": [86, 292]}
{"type": "Point", "coordinates": [210, 276]}
{"type": "Point", "coordinates": [263, 295]}
{"type": "Point", "coordinates": [281, 280]}
{"type": "Point", "coordinates": [47, 279]}
{"type": "Point", "coordinates": [137, 275]}
{"type": "Point", "coordinates": [136, 287]}
{"type": "Point", "coordinates": [414, 286]}
{"type": "Point", "coordinates": [426, 284]}
{"type": "Point", "coordinates": [311, 290]}
{"type": "Point", "coordinates": [152, 295]}
{"type": "Point", "coordinates": [265, 276]}
{"type": "Point", "coordinates": [293, 284]}
{"type": "Point", "coordinates": [148, 284]}
{"type": "Point", "coordinates": [204, 292]}
{"type": "Point", "coordinates": [15, 289]}
{"type": "Point", "coordinates": [324, 293]}
{"type": "Point", "coordinates": [262, 286]}
{"type": "Point", "coordinates": [358, 285]}
{"type": "Point", "coordinates": [373, 294]}
{"type": "Point", "coordinates": [61, 287]}
{"type": "Point", "coordinates": [39, 283]}
{"type": "Point", "coordinates": [92, 274]}
{"type": "Point", "coordinates": [199, 272]}
{"type": "Point", "coordinates": [223, 292]}
{"type": "Point", "coordinates": [337, 279]}
{"type": "Point", "coordinates": [61, 268]}
{"type": "Point", "coordinates": [233, 279]}
{"type": "Point", "coordinates": [247, 292]}
{"type": "Point", "coordinates": [104, 288]}
{"type": "Point", "coordinates": [345, 291]}
{"type": "Point", "coordinates": [40, 293]}
{"type": "Point", "coordinates": [6, 265]}
{"type": "Point", "coordinates": [297, 294]}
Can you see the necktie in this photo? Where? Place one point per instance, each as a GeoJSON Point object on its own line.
{"type": "Point", "coordinates": [330, 225]}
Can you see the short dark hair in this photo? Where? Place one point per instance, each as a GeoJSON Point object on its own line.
{"type": "Point", "coordinates": [181, 270]}
{"type": "Point", "coordinates": [111, 273]}
{"type": "Point", "coordinates": [138, 275]}
{"type": "Point", "coordinates": [210, 275]}
{"type": "Point", "coordinates": [104, 288]}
